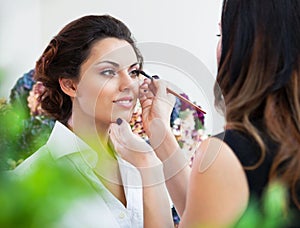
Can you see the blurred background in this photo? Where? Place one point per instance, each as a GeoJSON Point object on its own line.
{"type": "Point", "coordinates": [27, 26]}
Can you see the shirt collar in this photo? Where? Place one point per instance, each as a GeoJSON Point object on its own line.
{"type": "Point", "coordinates": [62, 141]}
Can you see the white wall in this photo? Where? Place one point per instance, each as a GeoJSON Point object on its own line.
{"type": "Point", "coordinates": [26, 27]}
{"type": "Point", "coordinates": [20, 39]}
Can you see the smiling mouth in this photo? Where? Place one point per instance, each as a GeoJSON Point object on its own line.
{"type": "Point", "coordinates": [123, 101]}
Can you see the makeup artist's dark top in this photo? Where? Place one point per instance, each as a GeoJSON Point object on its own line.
{"type": "Point", "coordinates": [248, 152]}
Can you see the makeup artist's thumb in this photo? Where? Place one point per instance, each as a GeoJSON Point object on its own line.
{"type": "Point", "coordinates": [160, 86]}
{"type": "Point", "coordinates": [161, 91]}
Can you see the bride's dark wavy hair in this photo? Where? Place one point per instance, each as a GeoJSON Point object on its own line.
{"type": "Point", "coordinates": [259, 75]}
{"type": "Point", "coordinates": [65, 54]}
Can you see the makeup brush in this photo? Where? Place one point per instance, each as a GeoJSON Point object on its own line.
{"type": "Point", "coordinates": [176, 94]}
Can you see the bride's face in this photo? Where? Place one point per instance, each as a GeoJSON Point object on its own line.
{"type": "Point", "coordinates": [108, 86]}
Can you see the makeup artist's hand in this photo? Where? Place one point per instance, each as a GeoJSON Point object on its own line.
{"type": "Point", "coordinates": [157, 105]}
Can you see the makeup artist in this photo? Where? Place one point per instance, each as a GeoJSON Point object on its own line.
{"type": "Point", "coordinates": [258, 80]}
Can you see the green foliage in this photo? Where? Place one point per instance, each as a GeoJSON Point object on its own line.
{"type": "Point", "coordinates": [184, 114]}
{"type": "Point", "coordinates": [20, 135]}
{"type": "Point", "coordinates": [272, 214]}
{"type": "Point", "coordinates": [40, 198]}
{"type": "Point", "coordinates": [198, 124]}
{"type": "Point", "coordinates": [10, 132]}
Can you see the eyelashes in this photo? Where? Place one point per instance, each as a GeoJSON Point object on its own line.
{"type": "Point", "coordinates": [108, 72]}
{"type": "Point", "coordinates": [111, 72]}
{"type": "Point", "coordinates": [134, 73]}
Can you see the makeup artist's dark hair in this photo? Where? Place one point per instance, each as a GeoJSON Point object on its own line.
{"type": "Point", "coordinates": [67, 51]}
{"type": "Point", "coordinates": [259, 77]}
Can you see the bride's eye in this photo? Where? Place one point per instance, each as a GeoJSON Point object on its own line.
{"type": "Point", "coordinates": [134, 73]}
{"type": "Point", "coordinates": [108, 72]}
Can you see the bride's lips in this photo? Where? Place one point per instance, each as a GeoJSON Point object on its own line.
{"type": "Point", "coordinates": [125, 102]}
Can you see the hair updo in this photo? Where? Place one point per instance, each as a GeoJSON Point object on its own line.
{"type": "Point", "coordinates": [67, 51]}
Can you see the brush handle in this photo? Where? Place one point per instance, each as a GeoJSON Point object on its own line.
{"type": "Point", "coordinates": [185, 100]}
{"type": "Point", "coordinates": [176, 94]}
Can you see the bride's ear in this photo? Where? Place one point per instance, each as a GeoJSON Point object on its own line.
{"type": "Point", "coordinates": [68, 86]}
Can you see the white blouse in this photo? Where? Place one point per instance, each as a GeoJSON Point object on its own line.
{"type": "Point", "coordinates": [101, 209]}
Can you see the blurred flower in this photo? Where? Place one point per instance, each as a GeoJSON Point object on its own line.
{"type": "Point", "coordinates": [20, 91]}
{"type": "Point", "coordinates": [23, 126]}
{"type": "Point", "coordinates": [184, 105]}
{"type": "Point", "coordinates": [188, 126]}
{"type": "Point", "coordinates": [34, 103]}
{"type": "Point", "coordinates": [136, 122]}
{"type": "Point", "coordinates": [3, 105]}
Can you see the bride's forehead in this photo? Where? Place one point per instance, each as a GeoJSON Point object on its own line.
{"type": "Point", "coordinates": [114, 50]}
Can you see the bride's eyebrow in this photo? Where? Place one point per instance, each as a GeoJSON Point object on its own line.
{"type": "Point", "coordinates": [134, 65]}
{"type": "Point", "coordinates": [116, 64]}
{"type": "Point", "coordinates": [109, 62]}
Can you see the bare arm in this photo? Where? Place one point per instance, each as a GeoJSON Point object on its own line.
{"type": "Point", "coordinates": [157, 106]}
{"type": "Point", "coordinates": [218, 189]}
{"type": "Point", "coordinates": [156, 206]}
{"type": "Point", "coordinates": [176, 169]}
{"type": "Point", "coordinates": [157, 210]}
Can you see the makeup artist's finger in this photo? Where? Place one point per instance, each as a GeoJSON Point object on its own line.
{"type": "Point", "coordinates": [157, 84]}
{"type": "Point", "coordinates": [162, 94]}
{"type": "Point", "coordinates": [161, 87]}
{"type": "Point", "coordinates": [147, 80]}
{"type": "Point", "coordinates": [146, 85]}
{"type": "Point", "coordinates": [145, 92]}
{"type": "Point", "coordinates": [153, 88]}
{"type": "Point", "coordinates": [146, 97]}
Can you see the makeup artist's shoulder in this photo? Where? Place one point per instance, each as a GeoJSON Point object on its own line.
{"type": "Point", "coordinates": [214, 152]}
